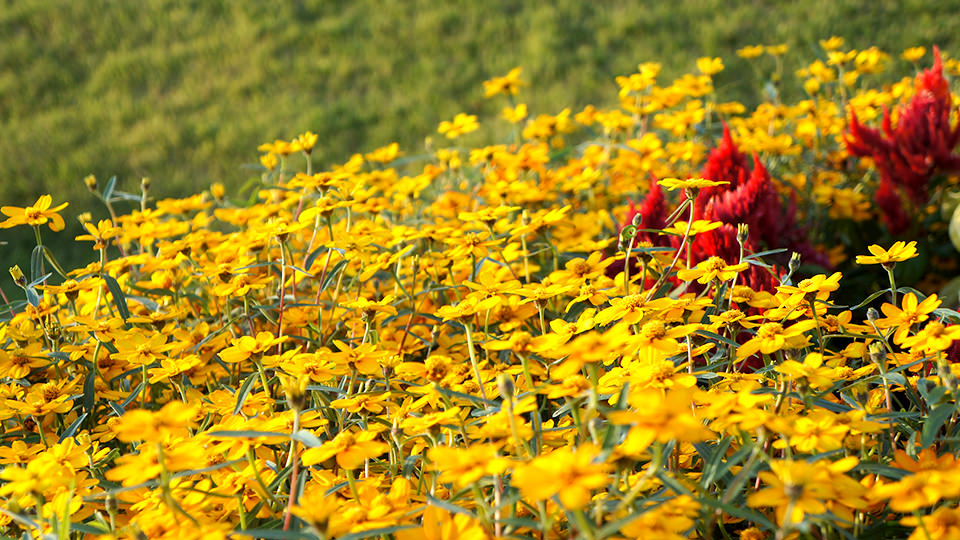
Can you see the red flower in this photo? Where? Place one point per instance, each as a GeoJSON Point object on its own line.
{"type": "Point", "coordinates": [920, 145]}
{"type": "Point", "coordinates": [890, 204]}
{"type": "Point", "coordinates": [751, 198]}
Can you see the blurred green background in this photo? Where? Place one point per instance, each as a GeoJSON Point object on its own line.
{"type": "Point", "coordinates": [184, 91]}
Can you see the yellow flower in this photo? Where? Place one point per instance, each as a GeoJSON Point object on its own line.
{"type": "Point", "coordinates": [36, 215]}
{"type": "Point", "coordinates": [690, 183]}
{"type": "Point", "coordinates": [461, 124]}
{"type": "Point", "coordinates": [174, 419]}
{"type": "Point", "coordinates": [797, 488]}
{"type": "Point", "coordinates": [913, 54]}
{"type": "Point", "coordinates": [751, 51]}
{"type": "Point", "coordinates": [698, 226]}
{"type": "Point", "coordinates": [772, 337]}
{"type": "Point", "coordinates": [898, 252]}
{"type": "Point", "coordinates": [306, 141]}
{"type": "Point", "coordinates": [934, 337]}
{"type": "Point", "coordinates": [442, 525]}
{"type": "Point", "coordinates": [942, 524]}
{"type": "Point", "coordinates": [515, 115]}
{"type": "Point", "coordinates": [776, 50]}
{"type": "Point", "coordinates": [711, 269]}
{"type": "Point", "coordinates": [351, 449]}
{"type": "Point", "coordinates": [811, 370]}
{"type": "Point", "coordinates": [570, 473]}
{"type": "Point", "coordinates": [464, 466]}
{"type": "Point", "coordinates": [509, 84]}
{"type": "Point", "coordinates": [99, 233]}
{"type": "Point", "coordinates": [919, 490]}
{"type": "Point", "coordinates": [709, 66]}
{"type": "Point", "coordinates": [911, 312]}
{"type": "Point", "coordinates": [820, 431]}
{"type": "Point", "coordinates": [831, 44]}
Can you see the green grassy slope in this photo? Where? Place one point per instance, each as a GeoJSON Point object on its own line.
{"type": "Point", "coordinates": [183, 92]}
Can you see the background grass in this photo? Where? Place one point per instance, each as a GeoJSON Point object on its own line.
{"type": "Point", "coordinates": [183, 92]}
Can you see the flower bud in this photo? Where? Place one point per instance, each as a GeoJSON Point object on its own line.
{"type": "Point", "coordinates": [505, 386]}
{"type": "Point", "coordinates": [18, 276]}
{"type": "Point", "coordinates": [91, 182]}
{"type": "Point", "coordinates": [873, 315]}
{"type": "Point", "coordinates": [743, 232]}
{"type": "Point", "coordinates": [111, 504]}
{"type": "Point", "coordinates": [794, 262]}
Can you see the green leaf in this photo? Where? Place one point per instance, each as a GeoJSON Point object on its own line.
{"type": "Point", "coordinates": [449, 506]}
{"type": "Point", "coordinates": [937, 418]}
{"type": "Point", "coordinates": [72, 428]}
{"type": "Point", "coordinates": [243, 392]}
{"type": "Point", "coordinates": [89, 400]}
{"type": "Point", "coordinates": [337, 268]}
{"type": "Point", "coordinates": [119, 299]}
{"type": "Point", "coordinates": [312, 256]}
{"type": "Point", "coordinates": [869, 299]}
{"type": "Point", "coordinates": [883, 470]}
{"type": "Point", "coordinates": [764, 253]}
{"type": "Point", "coordinates": [36, 264]}
{"type": "Point", "coordinates": [32, 297]}
{"type": "Point", "coordinates": [146, 302]}
{"type": "Point", "coordinates": [306, 438]}
{"type": "Point", "coordinates": [108, 189]}
{"type": "Point", "coordinates": [53, 262]}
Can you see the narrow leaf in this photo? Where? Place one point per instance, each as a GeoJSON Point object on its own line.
{"type": "Point", "coordinates": [243, 392]}
{"type": "Point", "coordinates": [119, 299]}
{"type": "Point", "coordinates": [937, 418]}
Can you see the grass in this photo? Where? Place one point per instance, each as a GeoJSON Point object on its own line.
{"type": "Point", "coordinates": [183, 92]}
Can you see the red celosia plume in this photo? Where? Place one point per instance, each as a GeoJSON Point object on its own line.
{"type": "Point", "coordinates": [909, 154]}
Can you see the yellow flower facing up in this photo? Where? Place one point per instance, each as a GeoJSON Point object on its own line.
{"type": "Point", "coordinates": [569, 473]}
{"type": "Point", "coordinates": [934, 337]}
{"type": "Point", "coordinates": [672, 184]}
{"type": "Point", "coordinates": [509, 84]}
{"type": "Point", "coordinates": [772, 337]}
{"type": "Point", "coordinates": [714, 268]}
{"type": "Point", "coordinates": [38, 214]}
{"type": "Point", "coordinates": [174, 419]}
{"type": "Point", "coordinates": [811, 370]}
{"type": "Point", "coordinates": [798, 488]}
{"type": "Point", "coordinates": [679, 228]}
{"type": "Point", "coordinates": [898, 252]}
{"type": "Point", "coordinates": [710, 66]}
{"type": "Point", "coordinates": [910, 312]}
{"type": "Point", "coordinates": [100, 233]}
{"type": "Point", "coordinates": [351, 449]}
{"type": "Point", "coordinates": [913, 54]}
{"type": "Point", "coordinates": [942, 524]}
{"type": "Point", "coordinates": [442, 525]}
{"type": "Point", "coordinates": [464, 466]}
{"type": "Point", "coordinates": [751, 51]}
{"type": "Point", "coordinates": [831, 44]}
{"type": "Point", "coordinates": [461, 124]}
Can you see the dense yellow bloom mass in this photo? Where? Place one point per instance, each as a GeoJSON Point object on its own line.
{"type": "Point", "coordinates": [593, 328]}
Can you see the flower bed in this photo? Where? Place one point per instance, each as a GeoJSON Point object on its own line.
{"type": "Point", "coordinates": [673, 318]}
